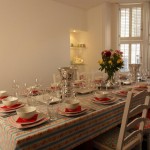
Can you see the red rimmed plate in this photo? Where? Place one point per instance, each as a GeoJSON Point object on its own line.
{"type": "Point", "coordinates": [10, 109]}
{"type": "Point", "coordinates": [34, 119]}
{"type": "Point", "coordinates": [121, 93]}
{"type": "Point", "coordinates": [13, 123]}
{"type": "Point", "coordinates": [64, 113]}
{"type": "Point", "coordinates": [105, 101]}
{"type": "Point", "coordinates": [2, 97]}
{"type": "Point", "coordinates": [140, 88]}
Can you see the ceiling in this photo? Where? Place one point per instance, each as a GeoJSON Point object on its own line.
{"type": "Point", "coordinates": [87, 4]}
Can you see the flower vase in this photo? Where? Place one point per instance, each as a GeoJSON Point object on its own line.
{"type": "Point", "coordinates": [110, 81]}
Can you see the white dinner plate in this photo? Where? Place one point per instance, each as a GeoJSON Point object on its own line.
{"type": "Point", "coordinates": [2, 110]}
{"type": "Point", "coordinates": [39, 117]}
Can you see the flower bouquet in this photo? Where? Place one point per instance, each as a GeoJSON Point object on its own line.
{"type": "Point", "coordinates": [111, 62]}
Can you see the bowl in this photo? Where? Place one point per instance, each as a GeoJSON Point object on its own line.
{"type": "Point", "coordinates": [10, 101]}
{"type": "Point", "coordinates": [3, 93]}
{"type": "Point", "coordinates": [101, 94]}
{"type": "Point", "coordinates": [26, 112]}
{"type": "Point", "coordinates": [72, 104]}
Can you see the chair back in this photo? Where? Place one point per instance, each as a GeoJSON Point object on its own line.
{"type": "Point", "coordinates": [126, 140]}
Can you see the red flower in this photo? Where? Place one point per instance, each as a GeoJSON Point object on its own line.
{"type": "Point", "coordinates": [107, 53]}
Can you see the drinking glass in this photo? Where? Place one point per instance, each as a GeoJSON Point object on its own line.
{"type": "Point", "coordinates": [15, 87]}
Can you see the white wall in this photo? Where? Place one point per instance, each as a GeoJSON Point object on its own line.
{"type": "Point", "coordinates": [99, 31]}
{"type": "Point", "coordinates": [34, 39]}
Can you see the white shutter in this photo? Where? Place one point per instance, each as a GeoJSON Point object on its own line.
{"type": "Point", "coordinates": [130, 34]}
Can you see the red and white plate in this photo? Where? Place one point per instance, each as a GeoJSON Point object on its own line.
{"type": "Point", "coordinates": [106, 101]}
{"type": "Point", "coordinates": [121, 93]}
{"type": "Point", "coordinates": [11, 120]}
{"type": "Point", "coordinates": [21, 121]}
{"type": "Point", "coordinates": [10, 109]}
{"type": "Point", "coordinates": [76, 113]}
{"type": "Point", "coordinates": [140, 88]}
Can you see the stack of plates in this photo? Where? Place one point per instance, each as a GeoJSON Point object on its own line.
{"type": "Point", "coordinates": [121, 93]}
{"type": "Point", "coordinates": [20, 123]}
{"type": "Point", "coordinates": [7, 109]}
{"type": "Point", "coordinates": [105, 101]}
{"type": "Point", "coordinates": [140, 88]}
{"type": "Point", "coordinates": [73, 113]}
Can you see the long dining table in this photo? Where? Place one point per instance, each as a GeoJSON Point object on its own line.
{"type": "Point", "coordinates": [66, 132]}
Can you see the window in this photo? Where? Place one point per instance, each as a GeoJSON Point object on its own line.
{"type": "Point", "coordinates": [130, 23]}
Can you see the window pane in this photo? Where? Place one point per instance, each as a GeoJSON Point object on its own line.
{"type": "Point", "coordinates": [135, 53]}
{"type": "Point", "coordinates": [124, 22]}
{"type": "Point", "coordinates": [136, 22]}
{"type": "Point", "coordinates": [125, 49]}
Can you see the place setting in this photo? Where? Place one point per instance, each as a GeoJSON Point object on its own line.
{"type": "Point", "coordinates": [122, 92]}
{"type": "Point", "coordinates": [72, 108]}
{"type": "Point", "coordinates": [3, 95]}
{"type": "Point", "coordinates": [27, 117]}
{"type": "Point", "coordinates": [103, 97]}
{"type": "Point", "coordinates": [141, 87]}
{"type": "Point", "coordinates": [9, 105]}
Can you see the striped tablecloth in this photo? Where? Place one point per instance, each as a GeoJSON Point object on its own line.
{"type": "Point", "coordinates": [65, 133]}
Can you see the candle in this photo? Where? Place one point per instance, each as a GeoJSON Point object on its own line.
{"type": "Point", "coordinates": [54, 78]}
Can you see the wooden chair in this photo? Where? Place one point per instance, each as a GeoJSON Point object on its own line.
{"type": "Point", "coordinates": [120, 138]}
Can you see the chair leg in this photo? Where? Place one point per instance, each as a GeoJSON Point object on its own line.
{"type": "Point", "coordinates": [138, 147]}
{"type": "Point", "coordinates": [148, 141]}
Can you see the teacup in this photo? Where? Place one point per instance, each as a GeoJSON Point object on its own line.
{"type": "Point", "coordinates": [26, 112]}
{"type": "Point", "coordinates": [10, 101]}
{"type": "Point", "coordinates": [72, 104]}
{"type": "Point", "coordinates": [3, 93]}
{"type": "Point", "coordinates": [102, 94]}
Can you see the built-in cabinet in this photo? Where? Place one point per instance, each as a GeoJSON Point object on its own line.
{"type": "Point", "coordinates": [78, 47]}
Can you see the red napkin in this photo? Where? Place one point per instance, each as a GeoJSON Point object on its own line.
{"type": "Point", "coordinates": [123, 92]}
{"type": "Point", "coordinates": [34, 91]}
{"type": "Point", "coordinates": [10, 107]}
{"type": "Point", "coordinates": [22, 120]}
{"type": "Point", "coordinates": [3, 97]}
{"type": "Point", "coordinates": [102, 99]}
{"type": "Point", "coordinates": [73, 110]}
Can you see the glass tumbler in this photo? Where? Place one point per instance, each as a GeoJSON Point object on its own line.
{"type": "Point", "coordinates": [53, 111]}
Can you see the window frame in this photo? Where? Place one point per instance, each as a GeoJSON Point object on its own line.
{"type": "Point", "coordinates": [130, 40]}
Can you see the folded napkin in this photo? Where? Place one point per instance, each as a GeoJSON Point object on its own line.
{"type": "Point", "coordinates": [73, 110]}
{"type": "Point", "coordinates": [10, 107]}
{"type": "Point", "coordinates": [22, 120]}
{"type": "Point", "coordinates": [2, 97]}
{"type": "Point", "coordinates": [123, 92]}
{"type": "Point", "coordinates": [102, 99]}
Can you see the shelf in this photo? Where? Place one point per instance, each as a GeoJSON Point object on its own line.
{"type": "Point", "coordinates": [77, 63]}
{"type": "Point", "coordinates": [78, 47]}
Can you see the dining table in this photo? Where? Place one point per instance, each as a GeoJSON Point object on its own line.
{"type": "Point", "coordinates": [67, 132]}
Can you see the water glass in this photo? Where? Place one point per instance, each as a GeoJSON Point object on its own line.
{"type": "Point", "coordinates": [52, 111]}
